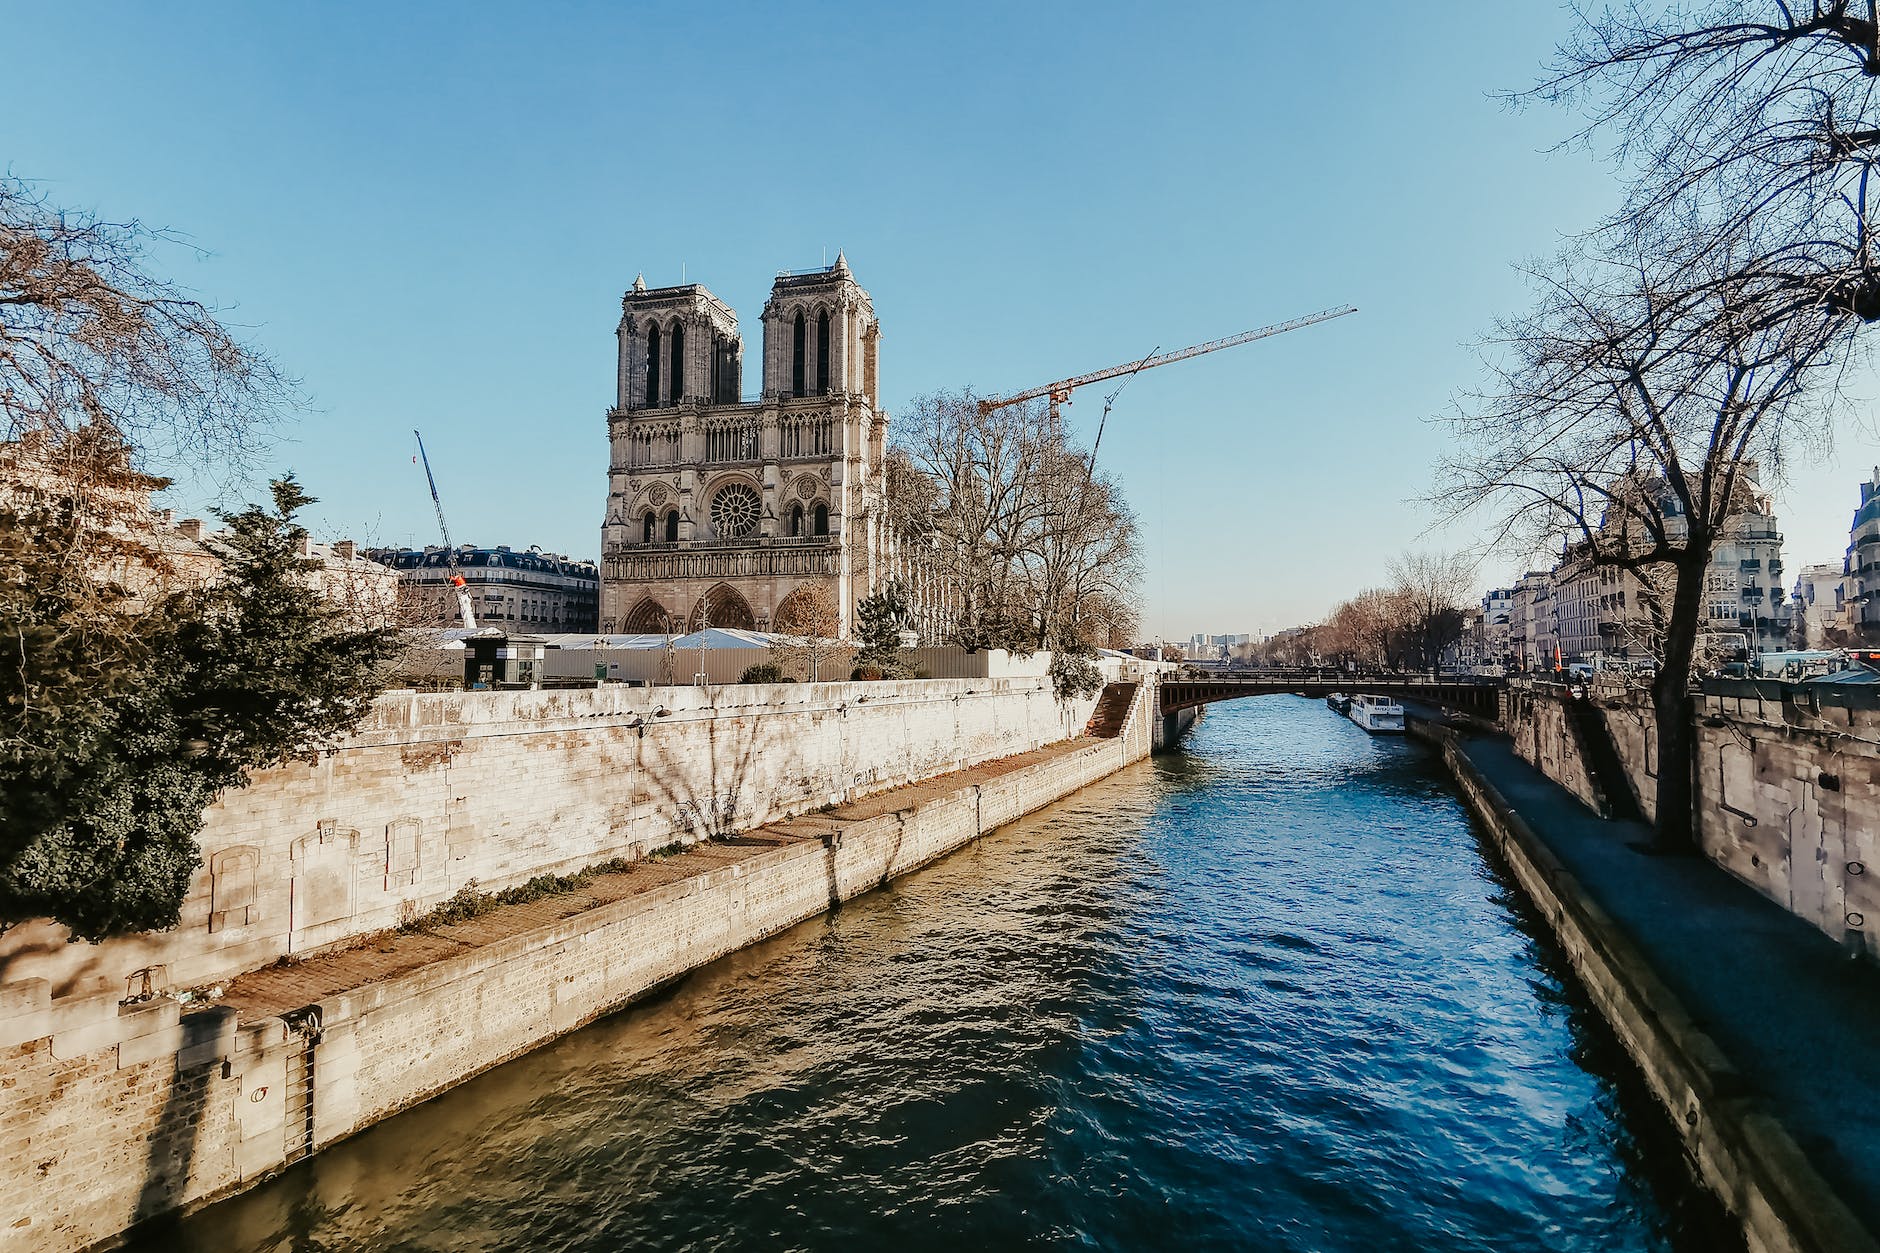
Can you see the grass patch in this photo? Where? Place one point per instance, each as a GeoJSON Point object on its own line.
{"type": "Point", "coordinates": [471, 902]}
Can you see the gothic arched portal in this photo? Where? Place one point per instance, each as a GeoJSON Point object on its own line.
{"type": "Point", "coordinates": [648, 617]}
{"type": "Point", "coordinates": [722, 607]}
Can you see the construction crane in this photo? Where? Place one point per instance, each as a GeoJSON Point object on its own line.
{"type": "Point", "coordinates": [450, 550]}
{"type": "Point", "coordinates": [1060, 391]}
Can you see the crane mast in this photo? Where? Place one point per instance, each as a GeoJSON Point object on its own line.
{"type": "Point", "coordinates": [1060, 391]}
{"type": "Point", "coordinates": [450, 550]}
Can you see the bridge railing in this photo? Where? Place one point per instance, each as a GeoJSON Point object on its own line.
{"type": "Point", "coordinates": [1317, 676]}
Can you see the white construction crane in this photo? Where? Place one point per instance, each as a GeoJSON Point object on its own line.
{"type": "Point", "coordinates": [450, 550]}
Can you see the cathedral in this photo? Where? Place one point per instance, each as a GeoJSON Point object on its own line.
{"type": "Point", "coordinates": [722, 511]}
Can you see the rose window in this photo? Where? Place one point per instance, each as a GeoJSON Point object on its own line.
{"type": "Point", "coordinates": [735, 511]}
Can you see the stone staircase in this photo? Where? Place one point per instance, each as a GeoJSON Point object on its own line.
{"type": "Point", "coordinates": [1602, 760]}
{"type": "Point", "coordinates": [1112, 711]}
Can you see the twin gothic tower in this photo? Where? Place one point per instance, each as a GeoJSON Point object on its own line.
{"type": "Point", "coordinates": [720, 510]}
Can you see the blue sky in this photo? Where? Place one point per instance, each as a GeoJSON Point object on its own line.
{"type": "Point", "coordinates": [428, 214]}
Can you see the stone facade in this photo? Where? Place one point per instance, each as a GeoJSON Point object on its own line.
{"type": "Point", "coordinates": [1497, 620]}
{"type": "Point", "coordinates": [1604, 614]}
{"type": "Point", "coordinates": [1531, 638]}
{"type": "Point", "coordinates": [1820, 617]}
{"type": "Point", "coordinates": [1860, 569]}
{"type": "Point", "coordinates": [720, 508]}
{"type": "Point", "coordinates": [151, 552]}
{"type": "Point", "coordinates": [1743, 590]}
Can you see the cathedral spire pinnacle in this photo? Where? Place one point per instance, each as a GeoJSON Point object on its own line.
{"type": "Point", "coordinates": [639, 282]}
{"type": "Point", "coordinates": [842, 263]}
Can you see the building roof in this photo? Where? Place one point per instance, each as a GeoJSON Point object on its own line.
{"type": "Point", "coordinates": [472, 558]}
{"type": "Point", "coordinates": [712, 637]}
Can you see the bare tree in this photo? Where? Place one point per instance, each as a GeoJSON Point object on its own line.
{"type": "Point", "coordinates": [1035, 548]}
{"type": "Point", "coordinates": [807, 626]}
{"type": "Point", "coordinates": [90, 338]}
{"type": "Point", "coordinates": [1432, 590]}
{"type": "Point", "coordinates": [1624, 413]}
{"type": "Point", "coordinates": [1756, 124]}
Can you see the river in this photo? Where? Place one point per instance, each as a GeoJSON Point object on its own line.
{"type": "Point", "coordinates": [1264, 993]}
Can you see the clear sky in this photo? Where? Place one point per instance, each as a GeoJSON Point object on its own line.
{"type": "Point", "coordinates": [428, 214]}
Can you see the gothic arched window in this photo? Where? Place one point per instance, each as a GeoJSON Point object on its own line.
{"type": "Point", "coordinates": [796, 520]}
{"type": "Point", "coordinates": [647, 528]}
{"type": "Point", "coordinates": [822, 519]}
{"type": "Point", "coordinates": [822, 353]}
{"type": "Point", "coordinates": [652, 367]}
{"type": "Point", "coordinates": [678, 362]}
{"type": "Point", "coordinates": [672, 526]}
{"type": "Point", "coordinates": [796, 357]}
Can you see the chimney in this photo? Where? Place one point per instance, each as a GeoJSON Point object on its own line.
{"type": "Point", "coordinates": [345, 550]}
{"type": "Point", "coordinates": [191, 528]}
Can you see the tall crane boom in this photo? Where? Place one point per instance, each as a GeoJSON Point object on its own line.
{"type": "Point", "coordinates": [450, 550]}
{"type": "Point", "coordinates": [1060, 391]}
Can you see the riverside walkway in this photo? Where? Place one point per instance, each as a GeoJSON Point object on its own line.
{"type": "Point", "coordinates": [1797, 1019]}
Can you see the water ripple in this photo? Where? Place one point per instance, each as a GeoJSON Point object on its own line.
{"type": "Point", "coordinates": [1264, 994]}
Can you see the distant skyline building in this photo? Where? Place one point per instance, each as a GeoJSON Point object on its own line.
{"type": "Point", "coordinates": [1497, 626]}
{"type": "Point", "coordinates": [1204, 647]}
{"type": "Point", "coordinates": [1531, 621]}
{"type": "Point", "coordinates": [527, 591]}
{"type": "Point", "coordinates": [1819, 616]}
{"type": "Point", "coordinates": [1860, 568]}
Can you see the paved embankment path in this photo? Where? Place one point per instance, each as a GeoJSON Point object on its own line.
{"type": "Point", "coordinates": [1796, 1017]}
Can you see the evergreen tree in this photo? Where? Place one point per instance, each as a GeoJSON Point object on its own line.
{"type": "Point", "coordinates": [127, 719]}
{"type": "Point", "coordinates": [879, 621]}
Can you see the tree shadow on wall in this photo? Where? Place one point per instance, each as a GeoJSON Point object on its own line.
{"type": "Point", "coordinates": [708, 808]}
{"type": "Point", "coordinates": [171, 1157]}
{"type": "Point", "coordinates": [720, 804]}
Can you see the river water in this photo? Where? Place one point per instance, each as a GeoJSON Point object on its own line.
{"type": "Point", "coordinates": [1261, 994]}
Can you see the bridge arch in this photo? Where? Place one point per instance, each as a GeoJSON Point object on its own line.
{"type": "Point", "coordinates": [1482, 699]}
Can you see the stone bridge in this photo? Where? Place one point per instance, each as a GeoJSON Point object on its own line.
{"type": "Point", "coordinates": [1480, 697]}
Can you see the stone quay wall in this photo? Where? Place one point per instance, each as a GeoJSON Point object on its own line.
{"type": "Point", "coordinates": [1788, 786]}
{"type": "Point", "coordinates": [1546, 738]}
{"type": "Point", "coordinates": [439, 790]}
{"type": "Point", "coordinates": [114, 1113]}
{"type": "Point", "coordinates": [1737, 1146]}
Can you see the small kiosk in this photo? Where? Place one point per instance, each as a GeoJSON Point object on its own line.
{"type": "Point", "coordinates": [493, 658]}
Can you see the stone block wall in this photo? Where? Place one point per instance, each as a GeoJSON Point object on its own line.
{"type": "Point", "coordinates": [1631, 722]}
{"type": "Point", "coordinates": [1544, 736]}
{"type": "Point", "coordinates": [440, 790]}
{"type": "Point", "coordinates": [114, 1113]}
{"type": "Point", "coordinates": [1789, 781]}
{"type": "Point", "coordinates": [1788, 787]}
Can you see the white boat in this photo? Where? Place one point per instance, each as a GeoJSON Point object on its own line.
{"type": "Point", "coordinates": [1339, 702]}
{"type": "Point", "coordinates": [1380, 715]}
